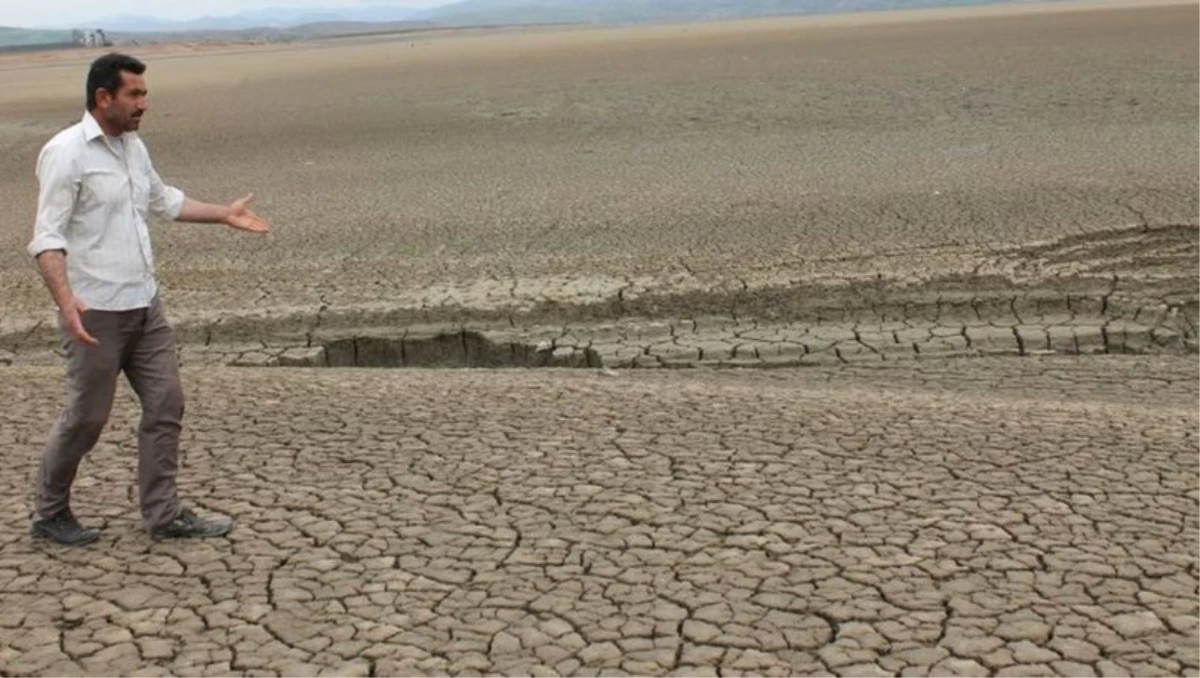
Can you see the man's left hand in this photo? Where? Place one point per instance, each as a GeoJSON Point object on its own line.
{"type": "Point", "coordinates": [243, 218]}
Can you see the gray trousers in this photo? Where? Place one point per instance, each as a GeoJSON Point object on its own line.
{"type": "Point", "coordinates": [140, 344]}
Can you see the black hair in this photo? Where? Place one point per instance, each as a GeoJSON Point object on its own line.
{"type": "Point", "coordinates": [105, 73]}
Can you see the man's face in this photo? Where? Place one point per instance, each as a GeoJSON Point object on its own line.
{"type": "Point", "coordinates": [123, 109]}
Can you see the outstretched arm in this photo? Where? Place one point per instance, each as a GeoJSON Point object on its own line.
{"type": "Point", "coordinates": [236, 214]}
{"type": "Point", "coordinates": [171, 204]}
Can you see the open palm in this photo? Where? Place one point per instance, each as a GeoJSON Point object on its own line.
{"type": "Point", "coordinates": [243, 218]}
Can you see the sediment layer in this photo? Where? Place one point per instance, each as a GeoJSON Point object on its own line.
{"type": "Point", "coordinates": [1121, 291]}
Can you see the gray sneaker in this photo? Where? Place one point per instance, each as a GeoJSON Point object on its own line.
{"type": "Point", "coordinates": [64, 529]}
{"type": "Point", "coordinates": [188, 524]}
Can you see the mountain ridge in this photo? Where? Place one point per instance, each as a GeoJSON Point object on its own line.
{"type": "Point", "coordinates": [306, 22]}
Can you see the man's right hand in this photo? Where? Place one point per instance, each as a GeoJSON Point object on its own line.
{"type": "Point", "coordinates": [72, 313]}
{"type": "Point", "coordinates": [52, 264]}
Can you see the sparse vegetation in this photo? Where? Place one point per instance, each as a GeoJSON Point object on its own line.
{"type": "Point", "coordinates": [20, 38]}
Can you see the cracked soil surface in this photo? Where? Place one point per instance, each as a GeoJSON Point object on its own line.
{"type": "Point", "coordinates": [968, 239]}
{"type": "Point", "coordinates": [989, 517]}
{"type": "Point", "coordinates": [559, 181]}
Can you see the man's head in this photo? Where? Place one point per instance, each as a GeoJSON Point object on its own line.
{"type": "Point", "coordinates": [116, 92]}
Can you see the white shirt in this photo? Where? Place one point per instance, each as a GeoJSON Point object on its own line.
{"type": "Point", "coordinates": [93, 201]}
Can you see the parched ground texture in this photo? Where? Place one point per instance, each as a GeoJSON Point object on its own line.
{"type": "Point", "coordinates": [992, 516]}
{"type": "Point", "coordinates": [1029, 171]}
{"type": "Point", "coordinates": [967, 240]}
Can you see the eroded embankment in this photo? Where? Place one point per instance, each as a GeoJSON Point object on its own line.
{"type": "Point", "coordinates": [1130, 290]}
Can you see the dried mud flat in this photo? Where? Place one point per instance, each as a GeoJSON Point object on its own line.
{"type": "Point", "coordinates": [933, 213]}
{"type": "Point", "coordinates": [987, 517]}
{"type": "Point", "coordinates": [1006, 179]}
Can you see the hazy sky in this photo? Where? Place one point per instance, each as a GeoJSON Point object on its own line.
{"type": "Point", "coordinates": [63, 12]}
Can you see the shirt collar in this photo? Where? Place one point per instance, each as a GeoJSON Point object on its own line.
{"type": "Point", "coordinates": [91, 128]}
{"type": "Point", "coordinates": [92, 131]}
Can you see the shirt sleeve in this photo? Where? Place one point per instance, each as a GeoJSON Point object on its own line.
{"type": "Point", "coordinates": [165, 201]}
{"type": "Point", "coordinates": [58, 185]}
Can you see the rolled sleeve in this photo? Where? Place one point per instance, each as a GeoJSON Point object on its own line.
{"type": "Point", "coordinates": [165, 201]}
{"type": "Point", "coordinates": [58, 186]}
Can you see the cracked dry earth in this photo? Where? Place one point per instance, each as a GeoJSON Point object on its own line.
{"type": "Point", "coordinates": [794, 191]}
{"type": "Point", "coordinates": [986, 517]}
{"type": "Point", "coordinates": [1027, 160]}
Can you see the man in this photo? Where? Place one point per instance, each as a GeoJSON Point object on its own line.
{"type": "Point", "coordinates": [92, 246]}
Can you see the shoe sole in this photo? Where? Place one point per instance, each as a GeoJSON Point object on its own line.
{"type": "Point", "coordinates": [196, 535]}
{"type": "Point", "coordinates": [46, 536]}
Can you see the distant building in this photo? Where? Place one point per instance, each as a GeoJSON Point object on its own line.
{"type": "Point", "coordinates": [92, 38]}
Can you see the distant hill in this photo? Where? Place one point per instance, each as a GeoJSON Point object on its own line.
{"type": "Point", "coordinates": [19, 38]}
{"type": "Point", "coordinates": [275, 17]}
{"type": "Point", "coordinates": [470, 12]}
{"type": "Point", "coordinates": [284, 23]}
{"type": "Point", "coordinates": [309, 31]}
